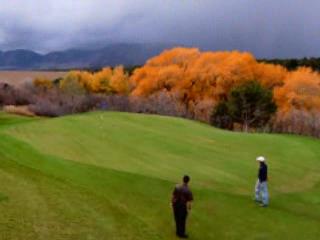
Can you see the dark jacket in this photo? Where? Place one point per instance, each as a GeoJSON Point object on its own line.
{"type": "Point", "coordinates": [263, 172]}
{"type": "Point", "coordinates": [181, 195]}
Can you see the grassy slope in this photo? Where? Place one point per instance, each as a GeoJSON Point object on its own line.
{"type": "Point", "coordinates": [110, 175]}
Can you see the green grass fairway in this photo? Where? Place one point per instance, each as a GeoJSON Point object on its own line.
{"type": "Point", "coordinates": [105, 176]}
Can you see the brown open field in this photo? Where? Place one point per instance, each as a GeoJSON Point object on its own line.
{"type": "Point", "coordinates": [20, 77]}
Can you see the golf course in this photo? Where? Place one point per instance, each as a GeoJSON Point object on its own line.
{"type": "Point", "coordinates": [109, 175]}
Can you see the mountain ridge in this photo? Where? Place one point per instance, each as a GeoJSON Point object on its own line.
{"type": "Point", "coordinates": [127, 54]}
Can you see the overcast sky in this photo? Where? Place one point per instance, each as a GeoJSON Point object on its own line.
{"type": "Point", "coordinates": [268, 28]}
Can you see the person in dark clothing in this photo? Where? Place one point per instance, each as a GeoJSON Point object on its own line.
{"type": "Point", "coordinates": [261, 189]}
{"type": "Point", "coordinates": [181, 203]}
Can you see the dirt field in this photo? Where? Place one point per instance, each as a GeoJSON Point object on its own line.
{"type": "Point", "coordinates": [20, 77]}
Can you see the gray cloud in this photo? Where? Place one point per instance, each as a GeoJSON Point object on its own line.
{"type": "Point", "coordinates": [268, 28]}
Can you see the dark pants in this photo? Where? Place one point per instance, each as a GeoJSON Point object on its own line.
{"type": "Point", "coordinates": [180, 216]}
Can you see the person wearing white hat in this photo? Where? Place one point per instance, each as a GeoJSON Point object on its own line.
{"type": "Point", "coordinates": [261, 189]}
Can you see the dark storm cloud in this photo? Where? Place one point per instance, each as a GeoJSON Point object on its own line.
{"type": "Point", "coordinates": [274, 28]}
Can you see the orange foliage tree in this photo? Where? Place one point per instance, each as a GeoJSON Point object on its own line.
{"type": "Point", "coordinates": [202, 78]}
{"type": "Point", "coordinates": [43, 82]}
{"type": "Point", "coordinates": [106, 81]}
{"type": "Point", "coordinates": [197, 81]}
{"type": "Point", "coordinates": [301, 90]}
{"type": "Point", "coordinates": [298, 103]}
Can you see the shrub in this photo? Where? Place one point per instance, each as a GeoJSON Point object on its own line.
{"type": "Point", "coordinates": [249, 104]}
{"type": "Point", "coordinates": [162, 103]}
{"type": "Point", "coordinates": [10, 95]}
{"type": "Point", "coordinates": [221, 117]}
{"type": "Point", "coordinates": [297, 121]}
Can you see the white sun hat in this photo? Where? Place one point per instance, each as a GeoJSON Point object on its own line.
{"type": "Point", "coordinates": [261, 159]}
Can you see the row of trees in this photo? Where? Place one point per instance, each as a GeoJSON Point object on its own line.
{"type": "Point", "coordinates": [107, 81]}
{"type": "Point", "coordinates": [241, 90]}
{"type": "Point", "coordinates": [227, 89]}
{"type": "Point", "coordinates": [293, 64]}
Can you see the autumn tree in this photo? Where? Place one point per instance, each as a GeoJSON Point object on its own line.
{"type": "Point", "coordinates": [119, 81]}
{"type": "Point", "coordinates": [202, 79]}
{"type": "Point", "coordinates": [190, 83]}
{"type": "Point", "coordinates": [301, 90]}
{"type": "Point", "coordinates": [43, 83]}
{"type": "Point", "coordinates": [298, 101]}
{"type": "Point", "coordinates": [73, 83]}
{"type": "Point", "coordinates": [107, 81]}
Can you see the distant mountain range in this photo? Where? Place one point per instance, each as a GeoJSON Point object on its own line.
{"type": "Point", "coordinates": [127, 54]}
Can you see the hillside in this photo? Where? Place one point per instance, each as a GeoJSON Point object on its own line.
{"type": "Point", "coordinates": [128, 54]}
{"type": "Point", "coordinates": [110, 176]}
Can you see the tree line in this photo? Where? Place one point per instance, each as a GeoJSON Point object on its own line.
{"type": "Point", "coordinates": [294, 63]}
{"type": "Point", "coordinates": [230, 90]}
